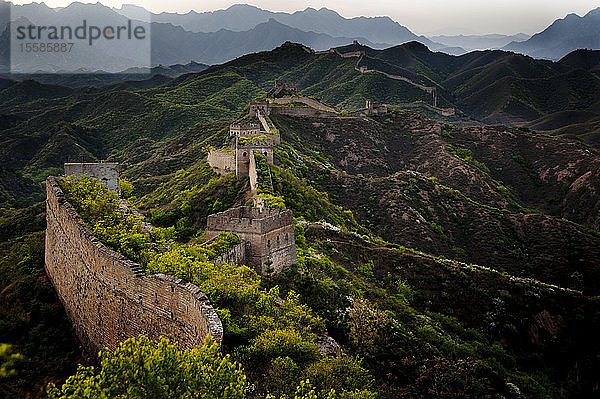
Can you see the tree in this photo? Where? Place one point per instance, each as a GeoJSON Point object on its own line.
{"type": "Point", "coordinates": [141, 368]}
{"type": "Point", "coordinates": [9, 361]}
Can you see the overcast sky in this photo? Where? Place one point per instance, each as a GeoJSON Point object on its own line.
{"type": "Point", "coordinates": [421, 16]}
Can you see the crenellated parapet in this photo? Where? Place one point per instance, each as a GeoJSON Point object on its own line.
{"type": "Point", "coordinates": [244, 150]}
{"type": "Point", "coordinates": [244, 129]}
{"type": "Point", "coordinates": [258, 106]}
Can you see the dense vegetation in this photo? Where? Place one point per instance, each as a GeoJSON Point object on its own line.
{"type": "Point", "coordinates": [44, 125]}
{"type": "Point", "coordinates": [140, 368]}
{"type": "Point", "coordinates": [381, 205]}
{"type": "Point", "coordinates": [372, 318]}
{"type": "Point", "coordinates": [266, 334]}
{"type": "Point", "coordinates": [37, 344]}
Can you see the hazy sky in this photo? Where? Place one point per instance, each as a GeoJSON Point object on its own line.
{"type": "Point", "coordinates": [421, 16]}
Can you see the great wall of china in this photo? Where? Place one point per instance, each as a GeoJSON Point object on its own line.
{"type": "Point", "coordinates": [431, 90]}
{"type": "Point", "coordinates": [109, 298]}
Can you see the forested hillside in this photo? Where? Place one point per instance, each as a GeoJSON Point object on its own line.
{"type": "Point", "coordinates": [441, 254]}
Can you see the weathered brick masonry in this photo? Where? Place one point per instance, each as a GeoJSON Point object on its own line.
{"type": "Point", "coordinates": [105, 173]}
{"type": "Point", "coordinates": [108, 298]}
{"type": "Point", "coordinates": [268, 232]}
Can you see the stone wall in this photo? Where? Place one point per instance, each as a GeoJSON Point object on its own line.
{"type": "Point", "coordinates": [303, 100]}
{"type": "Point", "coordinates": [106, 173]}
{"type": "Point", "coordinates": [351, 54]}
{"type": "Point", "coordinates": [306, 112]}
{"type": "Point", "coordinates": [108, 298]}
{"type": "Point", "coordinates": [242, 161]}
{"type": "Point", "coordinates": [263, 121]}
{"type": "Point", "coordinates": [440, 111]}
{"type": "Point", "coordinates": [252, 174]}
{"type": "Point", "coordinates": [244, 130]}
{"type": "Point", "coordinates": [281, 85]}
{"type": "Point", "coordinates": [235, 254]}
{"type": "Point", "coordinates": [256, 107]}
{"type": "Point", "coordinates": [275, 138]}
{"type": "Point", "coordinates": [244, 150]}
{"type": "Point", "coordinates": [222, 161]}
{"type": "Point", "coordinates": [268, 232]}
{"type": "Point", "coordinates": [254, 130]}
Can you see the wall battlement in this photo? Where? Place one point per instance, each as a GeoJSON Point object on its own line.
{"type": "Point", "coordinates": [244, 152]}
{"type": "Point", "coordinates": [282, 86]}
{"type": "Point", "coordinates": [257, 143]}
{"type": "Point", "coordinates": [244, 126]}
{"type": "Point", "coordinates": [223, 162]}
{"type": "Point", "coordinates": [108, 297]}
{"type": "Point", "coordinates": [244, 130]}
{"type": "Point", "coordinates": [269, 234]}
{"type": "Point", "coordinates": [311, 102]}
{"type": "Point", "coordinates": [259, 220]}
{"type": "Point", "coordinates": [261, 106]}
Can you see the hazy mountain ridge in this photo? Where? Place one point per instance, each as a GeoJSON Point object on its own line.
{"type": "Point", "coordinates": [224, 45]}
{"type": "Point", "coordinates": [219, 36]}
{"type": "Point", "coordinates": [562, 37]}
{"type": "Point", "coordinates": [241, 17]}
{"type": "Point", "coordinates": [479, 42]}
{"type": "Point", "coordinates": [172, 44]}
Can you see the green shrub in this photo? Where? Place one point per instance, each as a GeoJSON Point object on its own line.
{"type": "Point", "coordinates": [272, 344]}
{"type": "Point", "coordinates": [125, 187]}
{"type": "Point", "coordinates": [99, 208]}
{"type": "Point", "coordinates": [9, 361]}
{"type": "Point", "coordinates": [342, 373]}
{"type": "Point", "coordinates": [141, 368]}
{"type": "Point", "coordinates": [282, 376]}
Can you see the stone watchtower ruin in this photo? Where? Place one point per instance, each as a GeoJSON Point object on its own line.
{"type": "Point", "coordinates": [106, 173]}
{"type": "Point", "coordinates": [259, 107]}
{"type": "Point", "coordinates": [282, 87]}
{"type": "Point", "coordinates": [268, 234]}
{"type": "Point", "coordinates": [244, 150]}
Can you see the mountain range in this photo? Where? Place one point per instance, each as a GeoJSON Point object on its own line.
{"type": "Point", "coordinates": [559, 98]}
{"type": "Point", "coordinates": [479, 42]}
{"type": "Point", "coordinates": [174, 42]}
{"type": "Point", "coordinates": [494, 86]}
{"type": "Point", "coordinates": [243, 17]}
{"type": "Point", "coordinates": [476, 245]}
{"type": "Point", "coordinates": [559, 39]}
{"type": "Point", "coordinates": [220, 36]}
{"type": "Point", "coordinates": [562, 37]}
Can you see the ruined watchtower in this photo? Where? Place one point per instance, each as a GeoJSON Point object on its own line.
{"type": "Point", "coordinates": [259, 106]}
{"type": "Point", "coordinates": [282, 88]}
{"type": "Point", "coordinates": [268, 233]}
{"type": "Point", "coordinates": [244, 149]}
{"type": "Point", "coordinates": [106, 173]}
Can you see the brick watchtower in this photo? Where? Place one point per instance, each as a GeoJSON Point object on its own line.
{"type": "Point", "coordinates": [268, 233]}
